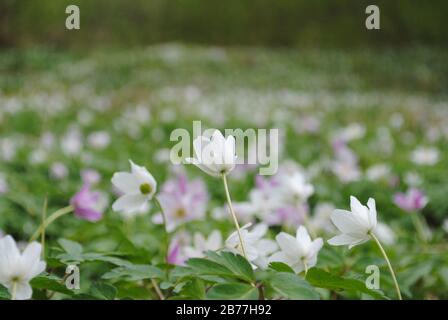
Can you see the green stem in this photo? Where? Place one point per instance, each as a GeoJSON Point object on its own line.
{"type": "Point", "coordinates": [44, 217]}
{"type": "Point", "coordinates": [157, 289]}
{"type": "Point", "coordinates": [57, 214]}
{"type": "Point", "coordinates": [388, 264]}
{"type": "Point", "coordinates": [167, 243]}
{"type": "Point", "coordinates": [232, 212]}
{"type": "Point", "coordinates": [14, 290]}
{"type": "Point", "coordinates": [418, 226]}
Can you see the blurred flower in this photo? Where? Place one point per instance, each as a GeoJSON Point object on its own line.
{"type": "Point", "coordinates": [378, 172]}
{"type": "Point", "coordinates": [355, 225]}
{"type": "Point", "coordinates": [176, 252]}
{"type": "Point", "coordinates": [385, 234]}
{"type": "Point", "coordinates": [182, 201]}
{"type": "Point", "coordinates": [138, 187]}
{"type": "Point", "coordinates": [425, 156]}
{"type": "Point", "coordinates": [17, 269]}
{"type": "Point", "coordinates": [202, 244]}
{"type": "Point", "coordinates": [87, 204]}
{"type": "Point", "coordinates": [98, 140]}
{"type": "Point", "coordinates": [445, 225]}
{"type": "Point", "coordinates": [352, 132]}
{"type": "Point", "coordinates": [90, 176]}
{"type": "Point", "coordinates": [216, 155]}
{"type": "Point", "coordinates": [413, 179]}
{"type": "Point", "coordinates": [321, 219]}
{"type": "Point", "coordinates": [298, 186]}
{"type": "Point", "coordinates": [71, 142]}
{"type": "Point", "coordinates": [58, 171]}
{"type": "Point", "coordinates": [300, 253]}
{"type": "Point", "coordinates": [257, 249]}
{"type": "Point", "coordinates": [412, 200]}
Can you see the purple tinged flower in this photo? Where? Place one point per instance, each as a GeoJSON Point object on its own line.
{"type": "Point", "coordinates": [87, 204]}
{"type": "Point", "coordinates": [412, 200]}
{"type": "Point", "coordinates": [182, 201]}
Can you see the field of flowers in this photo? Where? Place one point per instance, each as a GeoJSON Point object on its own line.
{"type": "Point", "coordinates": [91, 206]}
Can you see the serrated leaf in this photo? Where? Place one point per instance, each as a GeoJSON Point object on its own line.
{"type": "Point", "coordinates": [73, 251]}
{"type": "Point", "coordinates": [4, 293]}
{"type": "Point", "coordinates": [52, 283]}
{"type": "Point", "coordinates": [291, 286]}
{"type": "Point", "coordinates": [233, 291]}
{"type": "Point", "coordinates": [103, 291]}
{"type": "Point", "coordinates": [194, 289]}
{"type": "Point", "coordinates": [208, 267]}
{"type": "Point", "coordinates": [280, 267]}
{"type": "Point", "coordinates": [235, 263]}
{"type": "Point", "coordinates": [134, 273]}
{"type": "Point", "coordinates": [322, 279]}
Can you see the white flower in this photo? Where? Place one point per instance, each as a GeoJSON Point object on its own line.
{"type": "Point", "coordinates": [385, 234]}
{"type": "Point", "coordinates": [98, 139]}
{"type": "Point", "coordinates": [58, 171]}
{"type": "Point", "coordinates": [257, 248]}
{"type": "Point", "coordinates": [445, 225]}
{"type": "Point", "coordinates": [346, 171]}
{"type": "Point", "coordinates": [355, 225]}
{"type": "Point", "coordinates": [425, 156]}
{"type": "Point", "coordinates": [202, 245]}
{"type": "Point", "coordinates": [216, 155]}
{"type": "Point", "coordinates": [138, 187]}
{"type": "Point", "coordinates": [321, 220]}
{"type": "Point", "coordinates": [378, 172]}
{"type": "Point", "coordinates": [299, 252]}
{"type": "Point", "coordinates": [298, 186]}
{"type": "Point", "coordinates": [17, 269]}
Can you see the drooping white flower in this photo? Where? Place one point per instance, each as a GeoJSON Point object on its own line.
{"type": "Point", "coordinates": [355, 225]}
{"type": "Point", "coordinates": [202, 244]}
{"type": "Point", "coordinates": [299, 252]}
{"type": "Point", "coordinates": [216, 155]}
{"type": "Point", "coordinates": [138, 187]}
{"type": "Point", "coordinates": [257, 249]}
{"type": "Point", "coordinates": [18, 268]}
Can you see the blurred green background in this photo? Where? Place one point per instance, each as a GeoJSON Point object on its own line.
{"type": "Point", "coordinates": [318, 23]}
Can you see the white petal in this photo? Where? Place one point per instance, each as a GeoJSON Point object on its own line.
{"type": "Point", "coordinates": [281, 257]}
{"type": "Point", "coordinates": [129, 202]}
{"type": "Point", "coordinates": [31, 261]}
{"type": "Point", "coordinates": [372, 212]}
{"type": "Point", "coordinates": [346, 222]}
{"type": "Point", "coordinates": [288, 244]}
{"type": "Point", "coordinates": [214, 241]}
{"type": "Point", "coordinates": [303, 237]}
{"type": "Point", "coordinates": [126, 182]}
{"type": "Point", "coordinates": [360, 212]}
{"type": "Point", "coordinates": [344, 239]}
{"type": "Point", "coordinates": [23, 291]}
{"type": "Point", "coordinates": [143, 176]}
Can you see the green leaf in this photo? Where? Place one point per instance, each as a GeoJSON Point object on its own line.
{"type": "Point", "coordinates": [194, 289]}
{"type": "Point", "coordinates": [52, 283]}
{"type": "Point", "coordinates": [281, 267]}
{"type": "Point", "coordinates": [134, 273]}
{"type": "Point", "coordinates": [103, 291]}
{"type": "Point", "coordinates": [233, 291]}
{"type": "Point", "coordinates": [235, 263]}
{"type": "Point", "coordinates": [291, 286]}
{"type": "Point", "coordinates": [4, 293]}
{"type": "Point", "coordinates": [322, 279]}
{"type": "Point", "coordinates": [73, 251]}
{"type": "Point", "coordinates": [208, 267]}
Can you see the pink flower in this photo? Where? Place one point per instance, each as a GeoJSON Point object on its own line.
{"type": "Point", "coordinates": [410, 201]}
{"type": "Point", "coordinates": [87, 204]}
{"type": "Point", "coordinates": [182, 201]}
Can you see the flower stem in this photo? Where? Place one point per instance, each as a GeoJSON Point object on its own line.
{"type": "Point", "coordinates": [167, 242]}
{"type": "Point", "coordinates": [418, 226]}
{"type": "Point", "coordinates": [14, 290]}
{"type": "Point", "coordinates": [157, 289]}
{"type": "Point", "coordinates": [388, 264]}
{"type": "Point", "coordinates": [57, 214]}
{"type": "Point", "coordinates": [232, 212]}
{"type": "Point", "coordinates": [44, 217]}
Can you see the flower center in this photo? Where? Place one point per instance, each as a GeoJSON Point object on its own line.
{"type": "Point", "coordinates": [180, 213]}
{"type": "Point", "coordinates": [145, 188]}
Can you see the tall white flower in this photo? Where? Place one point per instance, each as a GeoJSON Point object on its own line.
{"type": "Point", "coordinates": [202, 244]}
{"type": "Point", "coordinates": [299, 252]}
{"type": "Point", "coordinates": [17, 269]}
{"type": "Point", "coordinates": [216, 155]}
{"type": "Point", "coordinates": [138, 187]}
{"type": "Point", "coordinates": [257, 249]}
{"type": "Point", "coordinates": [355, 225]}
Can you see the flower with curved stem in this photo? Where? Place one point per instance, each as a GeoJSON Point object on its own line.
{"type": "Point", "coordinates": [18, 268]}
{"type": "Point", "coordinates": [137, 186]}
{"type": "Point", "coordinates": [358, 226]}
{"type": "Point", "coordinates": [299, 252]}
